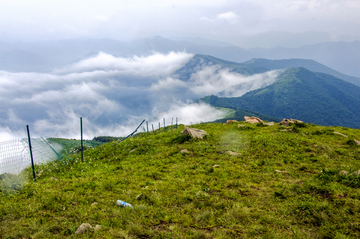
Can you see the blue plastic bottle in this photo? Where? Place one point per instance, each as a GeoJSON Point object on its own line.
{"type": "Point", "coordinates": [123, 204]}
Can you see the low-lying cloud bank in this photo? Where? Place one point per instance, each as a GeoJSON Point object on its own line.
{"type": "Point", "coordinates": [114, 94]}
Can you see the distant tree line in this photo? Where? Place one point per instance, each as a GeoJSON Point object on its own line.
{"type": "Point", "coordinates": [105, 139]}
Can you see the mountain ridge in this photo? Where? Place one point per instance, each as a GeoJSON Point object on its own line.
{"type": "Point", "coordinates": [299, 93]}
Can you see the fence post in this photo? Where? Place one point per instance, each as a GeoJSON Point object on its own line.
{"type": "Point", "coordinates": [159, 126]}
{"type": "Point", "coordinates": [152, 125]}
{"type": "Point", "coordinates": [164, 124]}
{"type": "Point", "coordinates": [81, 133]}
{"type": "Point", "coordinates": [172, 120]}
{"type": "Point", "coordinates": [176, 122]}
{"type": "Point", "coordinates": [147, 127]}
{"type": "Point", "coordinates": [31, 155]}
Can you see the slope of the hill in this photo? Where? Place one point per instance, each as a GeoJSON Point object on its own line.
{"type": "Point", "coordinates": [308, 64]}
{"type": "Point", "coordinates": [299, 93]}
{"type": "Point", "coordinates": [238, 182]}
{"type": "Point", "coordinates": [238, 114]}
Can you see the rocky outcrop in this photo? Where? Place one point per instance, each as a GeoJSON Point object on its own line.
{"type": "Point", "coordinates": [194, 133]}
{"type": "Point", "coordinates": [343, 173]}
{"type": "Point", "coordinates": [286, 122]}
{"type": "Point", "coordinates": [253, 120]}
{"type": "Point", "coordinates": [87, 227]}
{"type": "Point", "coordinates": [231, 121]}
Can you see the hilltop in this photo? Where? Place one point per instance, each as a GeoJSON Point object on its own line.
{"type": "Point", "coordinates": [238, 182]}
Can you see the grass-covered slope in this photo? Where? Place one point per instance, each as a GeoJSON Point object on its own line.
{"type": "Point", "coordinates": [281, 184]}
{"type": "Point", "coordinates": [301, 94]}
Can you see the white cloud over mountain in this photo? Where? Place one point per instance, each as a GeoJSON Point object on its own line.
{"type": "Point", "coordinates": [113, 94]}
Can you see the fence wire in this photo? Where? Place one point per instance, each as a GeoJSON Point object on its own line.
{"type": "Point", "coordinates": [15, 155]}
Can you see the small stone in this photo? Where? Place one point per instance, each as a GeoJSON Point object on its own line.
{"type": "Point", "coordinates": [231, 121]}
{"type": "Point", "coordinates": [216, 166]}
{"type": "Point", "coordinates": [241, 125]}
{"type": "Point", "coordinates": [184, 151]}
{"type": "Point", "coordinates": [194, 133]}
{"type": "Point", "coordinates": [245, 165]}
{"type": "Point", "coordinates": [55, 179]}
{"type": "Point", "coordinates": [357, 142]}
{"type": "Point", "coordinates": [83, 227]}
{"type": "Point", "coordinates": [252, 119]}
{"type": "Point", "coordinates": [93, 204]}
{"type": "Point", "coordinates": [133, 150]}
{"type": "Point", "coordinates": [269, 124]}
{"type": "Point", "coordinates": [232, 153]}
{"type": "Point", "coordinates": [356, 173]}
{"type": "Point", "coordinates": [290, 121]}
{"type": "Point", "coordinates": [343, 172]}
{"type": "Point", "coordinates": [97, 227]}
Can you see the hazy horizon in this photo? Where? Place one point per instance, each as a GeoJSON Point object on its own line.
{"type": "Point", "coordinates": [220, 20]}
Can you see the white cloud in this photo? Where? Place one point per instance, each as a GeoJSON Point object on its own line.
{"type": "Point", "coordinates": [228, 16]}
{"type": "Point", "coordinates": [168, 84]}
{"type": "Point", "coordinates": [153, 65]}
{"type": "Point", "coordinates": [113, 94]}
{"type": "Point", "coordinates": [192, 113]}
{"type": "Point", "coordinates": [211, 80]}
{"type": "Point", "coordinates": [102, 18]}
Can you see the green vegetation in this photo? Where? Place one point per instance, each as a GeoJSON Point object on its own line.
{"type": "Point", "coordinates": [106, 139]}
{"type": "Point", "coordinates": [253, 181]}
{"type": "Point", "coordinates": [301, 94]}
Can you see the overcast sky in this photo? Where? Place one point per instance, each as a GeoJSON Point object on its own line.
{"type": "Point", "coordinates": [34, 20]}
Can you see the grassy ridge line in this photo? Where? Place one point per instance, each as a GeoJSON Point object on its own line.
{"type": "Point", "coordinates": [205, 193]}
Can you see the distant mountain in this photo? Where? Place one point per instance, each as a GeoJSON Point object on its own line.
{"type": "Point", "coordinates": [201, 41]}
{"type": "Point", "coordinates": [308, 64]}
{"type": "Point", "coordinates": [273, 39]}
{"type": "Point", "coordinates": [301, 94]}
{"type": "Point", "coordinates": [198, 60]}
{"type": "Point", "coordinates": [340, 56]}
{"type": "Point", "coordinates": [19, 60]}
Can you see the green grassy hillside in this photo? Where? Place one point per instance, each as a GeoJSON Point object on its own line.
{"type": "Point", "coordinates": [237, 182]}
{"type": "Point", "coordinates": [301, 94]}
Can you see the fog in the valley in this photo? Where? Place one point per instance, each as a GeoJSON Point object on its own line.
{"type": "Point", "coordinates": [114, 94]}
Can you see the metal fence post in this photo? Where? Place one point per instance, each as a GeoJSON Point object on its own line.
{"type": "Point", "coordinates": [172, 120]}
{"type": "Point", "coordinates": [164, 124]}
{"type": "Point", "coordinates": [82, 148]}
{"type": "Point", "coordinates": [176, 122]}
{"type": "Point", "coordinates": [147, 127]}
{"type": "Point", "coordinates": [152, 125]}
{"type": "Point", "coordinates": [31, 155]}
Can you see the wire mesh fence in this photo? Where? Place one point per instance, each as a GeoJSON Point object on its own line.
{"type": "Point", "coordinates": [15, 154]}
